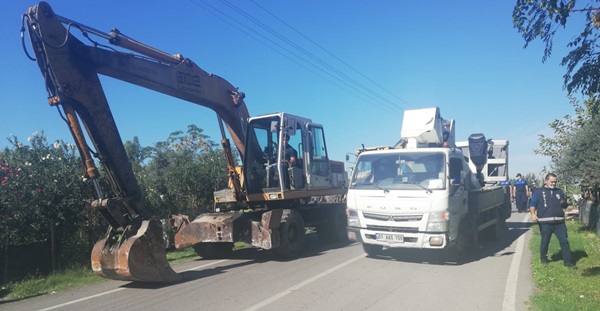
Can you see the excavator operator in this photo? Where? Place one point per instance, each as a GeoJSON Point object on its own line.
{"type": "Point", "coordinates": [290, 154]}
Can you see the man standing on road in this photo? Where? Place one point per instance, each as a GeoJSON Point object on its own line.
{"type": "Point", "coordinates": [521, 193]}
{"type": "Point", "coordinates": [546, 208]}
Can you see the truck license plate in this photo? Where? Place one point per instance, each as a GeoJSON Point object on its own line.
{"type": "Point", "coordinates": [387, 237]}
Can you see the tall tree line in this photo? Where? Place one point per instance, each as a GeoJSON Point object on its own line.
{"type": "Point", "coordinates": [44, 197]}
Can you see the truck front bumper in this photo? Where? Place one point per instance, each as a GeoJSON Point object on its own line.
{"type": "Point", "coordinates": [402, 239]}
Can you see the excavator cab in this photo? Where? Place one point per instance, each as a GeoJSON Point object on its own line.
{"type": "Point", "coordinates": [268, 172]}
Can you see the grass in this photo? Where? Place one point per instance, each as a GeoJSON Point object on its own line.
{"type": "Point", "coordinates": [559, 288]}
{"type": "Point", "coordinates": [33, 286]}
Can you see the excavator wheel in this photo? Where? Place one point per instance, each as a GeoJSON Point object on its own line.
{"type": "Point", "coordinates": [334, 230]}
{"type": "Point", "coordinates": [291, 234]}
{"type": "Point", "coordinates": [138, 258]}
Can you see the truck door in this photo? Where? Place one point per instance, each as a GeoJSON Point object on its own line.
{"type": "Point", "coordinates": [458, 198]}
{"type": "Point", "coordinates": [317, 161]}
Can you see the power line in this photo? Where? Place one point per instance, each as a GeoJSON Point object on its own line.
{"type": "Point", "coordinates": [331, 54]}
{"type": "Point", "coordinates": [219, 14]}
{"type": "Point", "coordinates": [353, 84]}
{"type": "Point", "coordinates": [304, 51]}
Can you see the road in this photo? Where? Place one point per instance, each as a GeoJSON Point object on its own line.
{"type": "Point", "coordinates": [496, 276]}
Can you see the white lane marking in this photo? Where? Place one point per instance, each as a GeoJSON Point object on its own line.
{"type": "Point", "coordinates": [83, 299]}
{"type": "Point", "coordinates": [118, 289]}
{"type": "Point", "coordinates": [206, 265]}
{"type": "Point", "coordinates": [510, 292]}
{"type": "Point", "coordinates": [302, 284]}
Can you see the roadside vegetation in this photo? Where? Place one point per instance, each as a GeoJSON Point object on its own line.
{"type": "Point", "coordinates": [77, 276]}
{"type": "Point", "coordinates": [562, 289]}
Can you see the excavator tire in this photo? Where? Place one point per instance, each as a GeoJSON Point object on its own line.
{"type": "Point", "coordinates": [216, 250]}
{"type": "Point", "coordinates": [334, 230]}
{"type": "Point", "coordinates": [291, 233]}
{"type": "Point", "coordinates": [139, 258]}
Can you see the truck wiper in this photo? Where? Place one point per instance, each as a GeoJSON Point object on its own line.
{"type": "Point", "coordinates": [421, 186]}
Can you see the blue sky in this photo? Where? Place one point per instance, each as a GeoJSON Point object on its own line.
{"type": "Point", "coordinates": [462, 56]}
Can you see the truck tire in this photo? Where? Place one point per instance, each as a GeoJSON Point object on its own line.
{"type": "Point", "coordinates": [494, 232]}
{"type": "Point", "coordinates": [334, 230]}
{"type": "Point", "coordinates": [372, 250]}
{"type": "Point", "coordinates": [291, 234]}
{"type": "Point", "coordinates": [216, 250]}
{"type": "Point", "coordinates": [458, 249]}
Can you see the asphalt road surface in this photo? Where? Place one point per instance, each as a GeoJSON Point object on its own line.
{"type": "Point", "coordinates": [495, 276]}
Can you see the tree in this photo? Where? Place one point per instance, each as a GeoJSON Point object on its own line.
{"type": "Point", "coordinates": [41, 195]}
{"type": "Point", "coordinates": [183, 173]}
{"type": "Point", "coordinates": [574, 143]}
{"type": "Point", "coordinates": [541, 19]}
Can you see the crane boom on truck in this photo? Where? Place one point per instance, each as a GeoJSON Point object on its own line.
{"type": "Point", "coordinates": [422, 193]}
{"type": "Point", "coordinates": [280, 198]}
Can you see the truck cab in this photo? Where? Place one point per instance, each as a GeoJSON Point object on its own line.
{"type": "Point", "coordinates": [409, 198]}
{"type": "Point", "coordinates": [424, 193]}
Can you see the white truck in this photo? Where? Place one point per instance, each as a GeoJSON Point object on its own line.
{"type": "Point", "coordinates": [428, 192]}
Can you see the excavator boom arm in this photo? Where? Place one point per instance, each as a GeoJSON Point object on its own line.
{"type": "Point", "coordinates": [133, 249]}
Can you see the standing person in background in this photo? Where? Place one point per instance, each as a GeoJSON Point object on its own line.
{"type": "Point", "coordinates": [547, 208]}
{"type": "Point", "coordinates": [520, 193]}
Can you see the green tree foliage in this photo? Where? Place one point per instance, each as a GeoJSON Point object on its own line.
{"type": "Point", "coordinates": [540, 19]}
{"type": "Point", "coordinates": [43, 196]}
{"type": "Point", "coordinates": [183, 173]}
{"type": "Point", "coordinates": [579, 161]}
{"type": "Point", "coordinates": [574, 147]}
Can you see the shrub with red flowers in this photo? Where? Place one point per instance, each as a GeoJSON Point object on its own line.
{"type": "Point", "coordinates": [41, 195]}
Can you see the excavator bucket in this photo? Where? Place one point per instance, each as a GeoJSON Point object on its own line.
{"type": "Point", "coordinates": [139, 258]}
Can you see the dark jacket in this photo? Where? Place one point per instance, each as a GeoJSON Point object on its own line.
{"type": "Point", "coordinates": [549, 204]}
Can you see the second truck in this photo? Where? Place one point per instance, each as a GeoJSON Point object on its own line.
{"type": "Point", "coordinates": [428, 192]}
{"type": "Point", "coordinates": [269, 202]}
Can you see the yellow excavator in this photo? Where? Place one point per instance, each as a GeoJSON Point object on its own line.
{"type": "Point", "coordinates": [270, 200]}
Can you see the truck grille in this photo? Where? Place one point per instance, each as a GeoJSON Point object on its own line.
{"type": "Point", "coordinates": [387, 217]}
{"type": "Point", "coordinates": [393, 229]}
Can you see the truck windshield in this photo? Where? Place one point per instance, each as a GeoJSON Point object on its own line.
{"type": "Point", "coordinates": [405, 171]}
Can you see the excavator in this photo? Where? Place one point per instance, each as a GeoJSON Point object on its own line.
{"type": "Point", "coordinates": [268, 204]}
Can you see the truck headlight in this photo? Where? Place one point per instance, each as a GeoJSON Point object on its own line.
{"type": "Point", "coordinates": [438, 222]}
{"type": "Point", "coordinates": [353, 220]}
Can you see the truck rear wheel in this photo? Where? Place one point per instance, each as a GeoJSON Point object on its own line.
{"type": "Point", "coordinates": [291, 234]}
{"type": "Point", "coordinates": [494, 232]}
{"type": "Point", "coordinates": [334, 230]}
{"type": "Point", "coordinates": [216, 250]}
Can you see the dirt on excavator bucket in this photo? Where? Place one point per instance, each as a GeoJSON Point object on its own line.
{"type": "Point", "coordinates": [139, 258]}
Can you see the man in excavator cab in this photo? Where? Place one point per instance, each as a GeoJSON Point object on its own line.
{"type": "Point", "coordinates": [290, 154]}
{"type": "Point", "coordinates": [289, 157]}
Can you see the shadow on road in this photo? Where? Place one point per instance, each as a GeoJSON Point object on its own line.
{"type": "Point", "coordinates": [250, 255]}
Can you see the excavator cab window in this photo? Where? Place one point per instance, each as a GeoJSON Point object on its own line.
{"type": "Point", "coordinates": [263, 157]}
{"type": "Point", "coordinates": [267, 168]}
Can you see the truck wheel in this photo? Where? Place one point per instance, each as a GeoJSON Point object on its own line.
{"type": "Point", "coordinates": [494, 232]}
{"type": "Point", "coordinates": [214, 250]}
{"type": "Point", "coordinates": [458, 249]}
{"type": "Point", "coordinates": [372, 250]}
{"type": "Point", "coordinates": [334, 230]}
{"type": "Point", "coordinates": [291, 234]}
